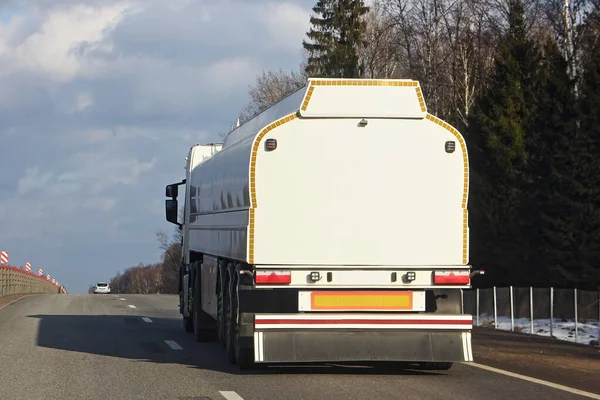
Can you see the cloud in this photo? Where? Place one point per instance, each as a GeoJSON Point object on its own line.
{"type": "Point", "coordinates": [33, 181]}
{"type": "Point", "coordinates": [100, 102]}
{"type": "Point", "coordinates": [48, 47]}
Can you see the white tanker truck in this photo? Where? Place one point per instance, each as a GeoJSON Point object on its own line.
{"type": "Point", "coordinates": [332, 227]}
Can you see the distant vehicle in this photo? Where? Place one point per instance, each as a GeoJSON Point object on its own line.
{"type": "Point", "coordinates": [102, 287]}
{"type": "Point", "coordinates": [331, 227]}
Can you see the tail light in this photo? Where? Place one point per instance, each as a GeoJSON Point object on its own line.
{"type": "Point", "coordinates": [271, 277]}
{"type": "Point", "coordinates": [451, 277]}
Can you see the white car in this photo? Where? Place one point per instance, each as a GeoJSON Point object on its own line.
{"type": "Point", "coordinates": [102, 287]}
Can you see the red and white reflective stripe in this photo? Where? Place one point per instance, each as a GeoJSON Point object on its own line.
{"type": "Point", "coordinates": [3, 257]}
{"type": "Point", "coordinates": [363, 321]}
{"type": "Point", "coordinates": [40, 272]}
{"type": "Point", "coordinates": [47, 277]}
{"type": "Point", "coordinates": [452, 277]}
{"type": "Point", "coordinates": [28, 266]}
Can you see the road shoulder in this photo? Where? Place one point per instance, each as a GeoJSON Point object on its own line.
{"type": "Point", "coordinates": [6, 300]}
{"type": "Point", "coordinates": [557, 361]}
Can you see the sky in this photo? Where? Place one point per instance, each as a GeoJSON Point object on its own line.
{"type": "Point", "coordinates": [100, 101]}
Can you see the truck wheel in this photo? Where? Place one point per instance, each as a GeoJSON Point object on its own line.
{"type": "Point", "coordinates": [435, 366]}
{"type": "Point", "coordinates": [203, 324]}
{"type": "Point", "coordinates": [188, 324]}
{"type": "Point", "coordinates": [242, 356]}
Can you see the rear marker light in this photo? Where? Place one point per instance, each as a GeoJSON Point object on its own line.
{"type": "Point", "coordinates": [451, 277]}
{"type": "Point", "coordinates": [450, 147]}
{"type": "Point", "coordinates": [273, 277]}
{"type": "Point", "coordinates": [270, 144]}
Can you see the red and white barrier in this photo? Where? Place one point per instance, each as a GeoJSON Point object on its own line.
{"type": "Point", "coordinates": [3, 257]}
{"type": "Point", "coordinates": [27, 270]}
{"type": "Point", "coordinates": [39, 276]}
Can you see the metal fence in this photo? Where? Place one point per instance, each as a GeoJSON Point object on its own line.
{"type": "Point", "coordinates": [567, 314]}
{"type": "Point", "coordinates": [17, 281]}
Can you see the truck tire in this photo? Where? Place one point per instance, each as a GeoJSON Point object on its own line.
{"type": "Point", "coordinates": [243, 357]}
{"type": "Point", "coordinates": [203, 324]}
{"type": "Point", "coordinates": [188, 324]}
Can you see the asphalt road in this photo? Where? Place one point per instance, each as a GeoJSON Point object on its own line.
{"type": "Point", "coordinates": [100, 347]}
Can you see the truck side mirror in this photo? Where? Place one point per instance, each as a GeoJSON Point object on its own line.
{"type": "Point", "coordinates": [171, 210]}
{"type": "Point", "coordinates": [172, 191]}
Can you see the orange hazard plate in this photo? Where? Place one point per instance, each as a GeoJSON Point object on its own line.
{"type": "Point", "coordinates": [361, 301]}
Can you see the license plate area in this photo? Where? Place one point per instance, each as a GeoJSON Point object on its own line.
{"type": "Point", "coordinates": [328, 301]}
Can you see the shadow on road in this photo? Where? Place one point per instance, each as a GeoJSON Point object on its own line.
{"type": "Point", "coordinates": [129, 337]}
{"type": "Point", "coordinates": [499, 338]}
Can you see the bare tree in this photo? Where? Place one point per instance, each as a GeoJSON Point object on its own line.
{"type": "Point", "coordinates": [498, 12]}
{"type": "Point", "coordinates": [171, 261]}
{"type": "Point", "coordinates": [271, 86]}
{"type": "Point", "coordinates": [472, 45]}
{"type": "Point", "coordinates": [377, 57]}
{"type": "Point", "coordinates": [567, 20]}
{"type": "Point", "coordinates": [448, 45]}
{"type": "Point", "coordinates": [422, 43]}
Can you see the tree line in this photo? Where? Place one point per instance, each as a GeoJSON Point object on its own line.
{"type": "Point", "coordinates": [520, 79]}
{"type": "Point", "coordinates": [155, 278]}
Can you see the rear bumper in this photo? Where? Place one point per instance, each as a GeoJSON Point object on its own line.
{"type": "Point", "coordinates": [372, 345]}
{"type": "Point", "coordinates": [362, 337]}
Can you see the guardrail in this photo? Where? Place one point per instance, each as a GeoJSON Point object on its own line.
{"type": "Point", "coordinates": [567, 314]}
{"type": "Point", "coordinates": [14, 280]}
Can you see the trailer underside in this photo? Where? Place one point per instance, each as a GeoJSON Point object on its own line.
{"type": "Point", "coordinates": [279, 346]}
{"type": "Point", "coordinates": [261, 326]}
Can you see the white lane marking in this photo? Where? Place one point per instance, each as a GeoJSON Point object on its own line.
{"type": "Point", "coordinates": [131, 306]}
{"type": "Point", "coordinates": [535, 380]}
{"type": "Point", "coordinates": [231, 395]}
{"type": "Point", "coordinates": [121, 298]}
{"type": "Point", "coordinates": [172, 344]}
{"type": "Point", "coordinates": [146, 319]}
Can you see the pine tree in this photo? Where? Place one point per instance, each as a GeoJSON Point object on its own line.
{"type": "Point", "coordinates": [337, 36]}
{"type": "Point", "coordinates": [588, 165]}
{"type": "Point", "coordinates": [556, 193]}
{"type": "Point", "coordinates": [497, 138]}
